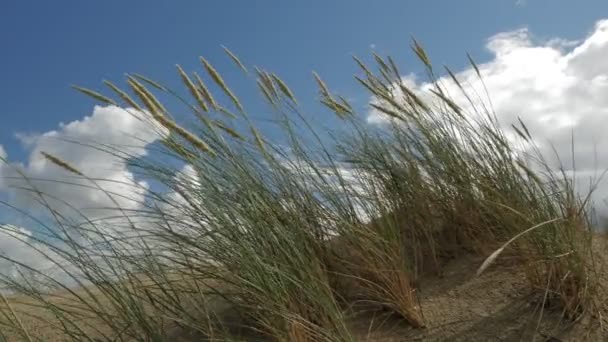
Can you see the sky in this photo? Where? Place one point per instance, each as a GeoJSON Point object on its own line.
{"type": "Point", "coordinates": [49, 45]}
{"type": "Point", "coordinates": [543, 60]}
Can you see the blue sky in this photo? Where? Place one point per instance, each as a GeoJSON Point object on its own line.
{"type": "Point", "coordinates": [48, 45]}
{"type": "Point", "coordinates": [543, 60]}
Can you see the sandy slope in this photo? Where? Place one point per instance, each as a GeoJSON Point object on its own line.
{"type": "Point", "coordinates": [497, 306]}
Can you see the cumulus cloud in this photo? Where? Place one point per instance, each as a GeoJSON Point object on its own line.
{"type": "Point", "coordinates": [20, 253]}
{"type": "Point", "coordinates": [97, 145]}
{"type": "Point", "coordinates": [558, 87]}
{"type": "Point", "coordinates": [85, 145]}
{"type": "Point", "coordinates": [178, 209]}
{"type": "Point", "coordinates": [15, 243]}
{"type": "Point", "coordinates": [30, 260]}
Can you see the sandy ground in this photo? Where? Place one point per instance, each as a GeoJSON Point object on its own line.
{"type": "Point", "coordinates": [497, 306]}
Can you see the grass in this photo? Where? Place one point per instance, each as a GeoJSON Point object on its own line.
{"type": "Point", "coordinates": [292, 236]}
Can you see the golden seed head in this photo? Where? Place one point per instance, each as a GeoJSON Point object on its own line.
{"type": "Point", "coordinates": [205, 91]}
{"type": "Point", "coordinates": [150, 82]}
{"type": "Point", "coordinates": [217, 78]}
{"type": "Point", "coordinates": [228, 130]}
{"type": "Point", "coordinates": [182, 132]}
{"type": "Point", "coordinates": [284, 88]}
{"type": "Point", "coordinates": [60, 163]}
{"type": "Point", "coordinates": [322, 85]}
{"type": "Point", "coordinates": [235, 59]}
{"type": "Point", "coordinates": [193, 91]}
{"type": "Point", "coordinates": [123, 95]}
{"type": "Point", "coordinates": [266, 93]}
{"type": "Point", "coordinates": [143, 96]}
{"type": "Point", "coordinates": [97, 96]}
{"type": "Point", "coordinates": [258, 139]}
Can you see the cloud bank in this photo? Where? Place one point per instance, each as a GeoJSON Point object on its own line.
{"type": "Point", "coordinates": [110, 129]}
{"type": "Point", "coordinates": [558, 88]}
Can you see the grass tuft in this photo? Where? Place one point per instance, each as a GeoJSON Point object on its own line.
{"type": "Point", "coordinates": [283, 238]}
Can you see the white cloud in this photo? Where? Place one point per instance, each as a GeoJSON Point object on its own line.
{"type": "Point", "coordinates": [14, 244]}
{"type": "Point", "coordinates": [558, 87]}
{"type": "Point", "coordinates": [107, 127]}
{"type": "Point", "coordinates": [18, 246]}
{"type": "Point", "coordinates": [110, 128]}
{"type": "Point", "coordinates": [181, 210]}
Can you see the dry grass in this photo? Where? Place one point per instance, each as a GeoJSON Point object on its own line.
{"type": "Point", "coordinates": [293, 236]}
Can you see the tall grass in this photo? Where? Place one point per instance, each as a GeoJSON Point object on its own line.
{"type": "Point", "coordinates": [453, 182]}
{"type": "Point", "coordinates": [254, 238]}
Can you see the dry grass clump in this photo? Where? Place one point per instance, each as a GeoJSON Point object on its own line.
{"type": "Point", "coordinates": [457, 185]}
{"type": "Point", "coordinates": [290, 235]}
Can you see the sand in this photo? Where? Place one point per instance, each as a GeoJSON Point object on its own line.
{"type": "Point", "coordinates": [496, 306]}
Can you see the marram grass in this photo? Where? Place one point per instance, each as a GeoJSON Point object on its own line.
{"type": "Point", "coordinates": [289, 235]}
